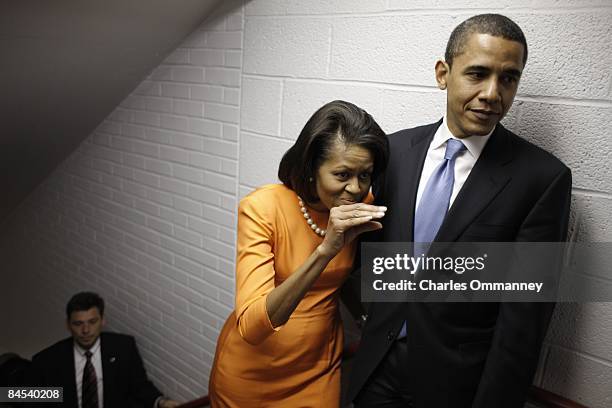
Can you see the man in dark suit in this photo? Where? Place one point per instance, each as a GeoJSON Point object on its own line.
{"type": "Point", "coordinates": [487, 184]}
{"type": "Point", "coordinates": [95, 369]}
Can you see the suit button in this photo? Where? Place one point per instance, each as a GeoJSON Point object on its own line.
{"type": "Point", "coordinates": [390, 336]}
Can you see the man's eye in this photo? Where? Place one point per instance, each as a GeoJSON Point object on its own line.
{"type": "Point", "coordinates": [342, 175]}
{"type": "Point", "coordinates": [509, 79]}
{"type": "Point", "coordinates": [365, 176]}
{"type": "Point", "coordinates": [476, 75]}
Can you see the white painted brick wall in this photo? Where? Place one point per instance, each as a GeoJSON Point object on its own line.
{"type": "Point", "coordinates": [144, 210]}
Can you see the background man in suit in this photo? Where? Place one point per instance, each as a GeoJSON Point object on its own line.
{"type": "Point", "coordinates": [96, 369]}
{"type": "Point", "coordinates": [465, 178]}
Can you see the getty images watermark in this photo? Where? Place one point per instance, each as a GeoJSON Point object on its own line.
{"type": "Point", "coordinates": [458, 265]}
{"type": "Point", "coordinates": [486, 272]}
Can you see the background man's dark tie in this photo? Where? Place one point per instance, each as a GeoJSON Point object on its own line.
{"type": "Point", "coordinates": [90, 384]}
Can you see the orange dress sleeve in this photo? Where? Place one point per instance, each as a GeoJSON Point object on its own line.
{"type": "Point", "coordinates": [254, 270]}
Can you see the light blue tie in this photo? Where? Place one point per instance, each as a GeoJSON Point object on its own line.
{"type": "Point", "coordinates": [436, 196]}
{"type": "Point", "coordinates": [434, 202]}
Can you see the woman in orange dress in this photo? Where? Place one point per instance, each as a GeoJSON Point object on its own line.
{"type": "Point", "coordinates": [282, 345]}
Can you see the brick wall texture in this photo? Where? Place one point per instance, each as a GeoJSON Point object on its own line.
{"type": "Point", "coordinates": [143, 211]}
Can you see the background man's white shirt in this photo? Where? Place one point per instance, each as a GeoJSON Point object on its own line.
{"type": "Point", "coordinates": [79, 367]}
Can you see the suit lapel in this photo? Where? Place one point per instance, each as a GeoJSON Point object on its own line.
{"type": "Point", "coordinates": [68, 375]}
{"type": "Point", "coordinates": [485, 181]}
{"type": "Point", "coordinates": [108, 369]}
{"type": "Point", "coordinates": [411, 163]}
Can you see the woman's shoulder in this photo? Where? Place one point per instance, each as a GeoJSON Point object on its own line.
{"type": "Point", "coordinates": [269, 196]}
{"type": "Point", "coordinates": [268, 203]}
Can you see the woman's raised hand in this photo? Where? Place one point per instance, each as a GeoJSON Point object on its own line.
{"type": "Point", "coordinates": [348, 221]}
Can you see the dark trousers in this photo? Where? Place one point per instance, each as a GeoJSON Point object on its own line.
{"type": "Point", "coordinates": [390, 386]}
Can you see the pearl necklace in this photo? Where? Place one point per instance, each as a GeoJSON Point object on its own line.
{"type": "Point", "coordinates": [318, 230]}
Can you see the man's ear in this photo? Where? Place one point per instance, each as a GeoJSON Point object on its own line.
{"type": "Point", "coordinates": [442, 71]}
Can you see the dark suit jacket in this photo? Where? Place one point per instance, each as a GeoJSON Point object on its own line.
{"type": "Point", "coordinates": [480, 355]}
{"type": "Point", "coordinates": [125, 379]}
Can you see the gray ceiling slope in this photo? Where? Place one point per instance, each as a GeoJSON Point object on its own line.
{"type": "Point", "coordinates": [65, 65]}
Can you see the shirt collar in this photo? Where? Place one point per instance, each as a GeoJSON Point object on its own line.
{"type": "Point", "coordinates": [82, 351]}
{"type": "Point", "coordinates": [474, 144]}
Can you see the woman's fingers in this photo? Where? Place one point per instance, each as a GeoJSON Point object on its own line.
{"type": "Point", "coordinates": [361, 206]}
{"type": "Point", "coordinates": [362, 213]}
{"type": "Point", "coordinates": [348, 225]}
{"type": "Point", "coordinates": [354, 221]}
{"type": "Point", "coordinates": [357, 211]}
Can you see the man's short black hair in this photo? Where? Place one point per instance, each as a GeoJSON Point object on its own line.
{"type": "Point", "coordinates": [336, 121]}
{"type": "Point", "coordinates": [492, 24]}
{"type": "Point", "coordinates": [84, 301]}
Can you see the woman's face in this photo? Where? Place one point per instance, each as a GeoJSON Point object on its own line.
{"type": "Point", "coordinates": [345, 177]}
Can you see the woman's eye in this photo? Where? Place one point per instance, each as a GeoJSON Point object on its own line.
{"type": "Point", "coordinates": [365, 176]}
{"type": "Point", "coordinates": [342, 175]}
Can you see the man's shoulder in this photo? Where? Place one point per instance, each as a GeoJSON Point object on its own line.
{"type": "Point", "coordinates": [54, 350]}
{"type": "Point", "coordinates": [535, 155]}
{"type": "Point", "coordinates": [410, 135]}
{"type": "Point", "coordinates": [415, 131]}
{"type": "Point", "coordinates": [117, 339]}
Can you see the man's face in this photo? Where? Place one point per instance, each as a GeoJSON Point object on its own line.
{"type": "Point", "coordinates": [481, 85]}
{"type": "Point", "coordinates": [85, 326]}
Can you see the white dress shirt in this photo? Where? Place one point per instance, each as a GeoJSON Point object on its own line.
{"type": "Point", "coordinates": [79, 366]}
{"type": "Point", "coordinates": [464, 162]}
{"type": "Point", "coordinates": [96, 359]}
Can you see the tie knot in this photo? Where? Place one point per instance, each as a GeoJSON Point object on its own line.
{"type": "Point", "coordinates": [453, 147]}
{"type": "Point", "coordinates": [88, 355]}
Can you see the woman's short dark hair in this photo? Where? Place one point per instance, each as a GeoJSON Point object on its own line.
{"type": "Point", "coordinates": [336, 121]}
{"type": "Point", "coordinates": [84, 301]}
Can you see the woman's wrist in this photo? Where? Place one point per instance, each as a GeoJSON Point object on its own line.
{"type": "Point", "coordinates": [323, 253]}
